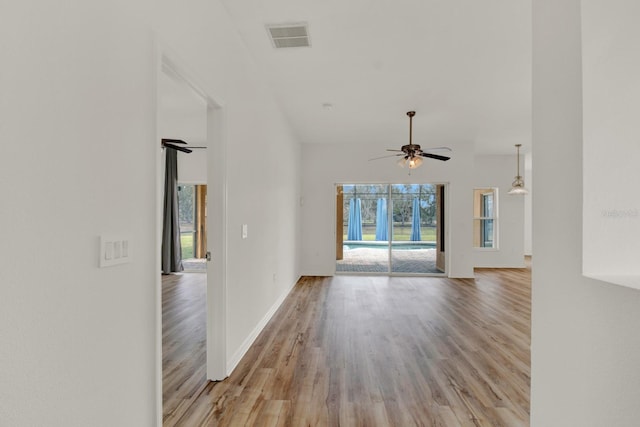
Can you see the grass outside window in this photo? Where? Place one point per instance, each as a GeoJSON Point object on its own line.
{"type": "Point", "coordinates": [186, 242]}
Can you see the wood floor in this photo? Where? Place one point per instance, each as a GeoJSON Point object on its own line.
{"type": "Point", "coordinates": [369, 351]}
{"type": "Point", "coordinates": [184, 334]}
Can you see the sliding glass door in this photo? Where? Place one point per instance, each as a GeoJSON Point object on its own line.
{"type": "Point", "coordinates": [363, 230]}
{"type": "Point", "coordinates": [387, 228]}
{"type": "Point", "coordinates": [414, 224]}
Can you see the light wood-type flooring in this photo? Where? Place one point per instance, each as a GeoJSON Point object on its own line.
{"type": "Point", "coordinates": [362, 351]}
{"type": "Point", "coordinates": [184, 318]}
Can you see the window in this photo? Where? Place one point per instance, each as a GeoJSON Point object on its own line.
{"type": "Point", "coordinates": [485, 218]}
{"type": "Point", "coordinates": [192, 213]}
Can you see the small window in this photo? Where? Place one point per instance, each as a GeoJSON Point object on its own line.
{"type": "Point", "coordinates": [485, 218]}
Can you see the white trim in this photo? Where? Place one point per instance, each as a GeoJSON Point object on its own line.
{"type": "Point", "coordinates": [494, 218]}
{"type": "Point", "coordinates": [234, 360]}
{"type": "Point", "coordinates": [157, 244]}
{"type": "Point", "coordinates": [179, 74]}
{"type": "Point", "coordinates": [217, 244]}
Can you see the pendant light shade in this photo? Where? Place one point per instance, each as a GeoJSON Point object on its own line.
{"type": "Point", "coordinates": [414, 162]}
{"type": "Point", "coordinates": [411, 161]}
{"type": "Point", "coordinates": [517, 186]}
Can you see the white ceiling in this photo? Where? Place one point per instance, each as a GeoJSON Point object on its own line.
{"type": "Point", "coordinates": [463, 65]}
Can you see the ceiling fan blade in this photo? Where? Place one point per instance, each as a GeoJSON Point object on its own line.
{"type": "Point", "coordinates": [173, 141]}
{"type": "Point", "coordinates": [437, 149]}
{"type": "Point", "coordinates": [177, 147]}
{"type": "Point", "coordinates": [389, 149]}
{"type": "Point", "coordinates": [435, 156]}
{"type": "Point", "coordinates": [390, 155]}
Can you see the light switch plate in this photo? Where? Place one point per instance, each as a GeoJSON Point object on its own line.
{"type": "Point", "coordinates": [115, 250]}
{"type": "Point", "coordinates": [108, 250]}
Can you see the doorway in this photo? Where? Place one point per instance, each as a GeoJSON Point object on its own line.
{"type": "Point", "coordinates": [395, 229]}
{"type": "Point", "coordinates": [209, 218]}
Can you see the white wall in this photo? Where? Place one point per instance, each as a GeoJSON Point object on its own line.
{"type": "Point", "coordinates": [528, 206]}
{"type": "Point", "coordinates": [498, 172]}
{"type": "Point", "coordinates": [585, 341]}
{"type": "Point", "coordinates": [78, 125]}
{"type": "Point", "coordinates": [328, 164]}
{"type": "Point", "coordinates": [192, 167]}
{"type": "Point", "coordinates": [611, 94]}
{"type": "Point", "coordinates": [78, 112]}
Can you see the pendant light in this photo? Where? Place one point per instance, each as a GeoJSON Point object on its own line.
{"type": "Point", "coordinates": [517, 186]}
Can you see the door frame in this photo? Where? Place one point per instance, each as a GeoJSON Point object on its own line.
{"type": "Point", "coordinates": [200, 239]}
{"type": "Point", "coordinates": [216, 348]}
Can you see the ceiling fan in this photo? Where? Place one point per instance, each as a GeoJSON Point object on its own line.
{"type": "Point", "coordinates": [171, 143]}
{"type": "Point", "coordinates": [411, 154]}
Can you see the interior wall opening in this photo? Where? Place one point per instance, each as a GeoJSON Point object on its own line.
{"type": "Point", "coordinates": [191, 307]}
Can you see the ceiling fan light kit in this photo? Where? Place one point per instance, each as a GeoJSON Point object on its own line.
{"type": "Point", "coordinates": [411, 154]}
{"type": "Point", "coordinates": [411, 162]}
{"type": "Point", "coordinates": [517, 186]}
{"type": "Point", "coordinates": [415, 162]}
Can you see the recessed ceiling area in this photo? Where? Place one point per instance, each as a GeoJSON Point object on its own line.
{"type": "Point", "coordinates": [464, 66]}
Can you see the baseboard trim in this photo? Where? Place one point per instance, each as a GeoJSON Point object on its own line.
{"type": "Point", "coordinates": [237, 356]}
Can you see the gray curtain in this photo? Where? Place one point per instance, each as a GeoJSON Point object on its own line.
{"type": "Point", "coordinates": [171, 249]}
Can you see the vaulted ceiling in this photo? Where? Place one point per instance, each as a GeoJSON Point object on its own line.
{"type": "Point", "coordinates": [463, 65]}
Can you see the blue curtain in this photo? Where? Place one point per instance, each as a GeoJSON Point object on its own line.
{"type": "Point", "coordinates": [415, 221]}
{"type": "Point", "coordinates": [381, 220]}
{"type": "Point", "coordinates": [354, 229]}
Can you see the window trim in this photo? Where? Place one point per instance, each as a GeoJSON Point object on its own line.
{"type": "Point", "coordinates": [478, 194]}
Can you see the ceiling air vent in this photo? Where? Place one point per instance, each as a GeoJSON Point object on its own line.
{"type": "Point", "coordinates": [292, 35]}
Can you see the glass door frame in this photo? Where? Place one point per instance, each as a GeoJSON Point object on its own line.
{"type": "Point", "coordinates": [439, 236]}
{"type": "Point", "coordinates": [198, 217]}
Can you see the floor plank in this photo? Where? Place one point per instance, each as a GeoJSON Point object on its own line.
{"type": "Point", "coordinates": [374, 351]}
{"type": "Point", "coordinates": [183, 343]}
